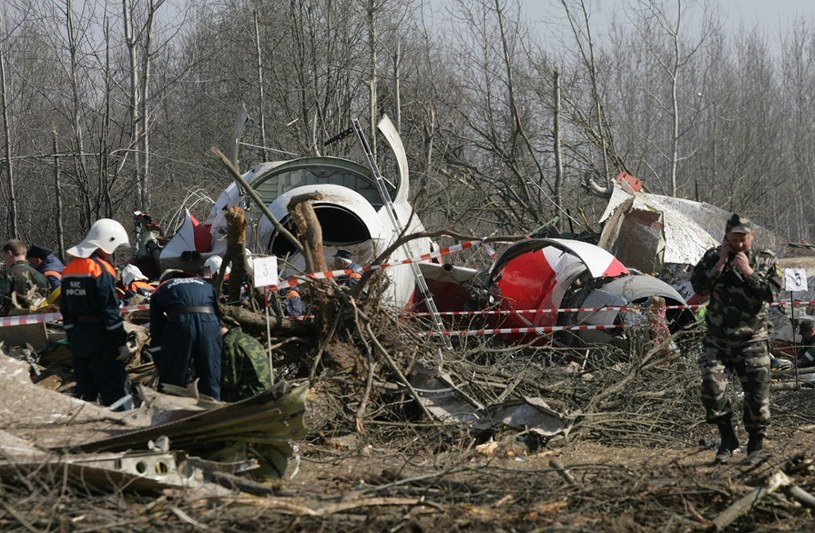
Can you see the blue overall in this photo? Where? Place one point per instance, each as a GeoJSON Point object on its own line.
{"type": "Point", "coordinates": [185, 325]}
{"type": "Point", "coordinates": [95, 331]}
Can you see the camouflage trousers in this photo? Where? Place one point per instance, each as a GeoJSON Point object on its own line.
{"type": "Point", "coordinates": [751, 363]}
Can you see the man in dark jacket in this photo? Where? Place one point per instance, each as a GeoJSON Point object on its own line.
{"type": "Point", "coordinates": [806, 351]}
{"type": "Point", "coordinates": [46, 264]}
{"type": "Point", "coordinates": [185, 325]}
{"type": "Point", "coordinates": [20, 281]}
{"type": "Point", "coordinates": [741, 283]}
{"type": "Point", "coordinates": [91, 317]}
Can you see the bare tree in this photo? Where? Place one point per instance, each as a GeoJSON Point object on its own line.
{"type": "Point", "coordinates": [140, 49]}
{"type": "Point", "coordinates": [4, 104]}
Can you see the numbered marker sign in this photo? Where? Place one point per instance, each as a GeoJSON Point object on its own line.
{"type": "Point", "coordinates": [265, 271]}
{"type": "Point", "coordinates": [795, 279]}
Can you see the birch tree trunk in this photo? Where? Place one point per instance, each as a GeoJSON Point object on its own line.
{"type": "Point", "coordinates": [90, 204]}
{"type": "Point", "coordinates": [372, 38]}
{"type": "Point", "coordinates": [136, 122]}
{"type": "Point", "coordinates": [13, 230]}
{"type": "Point", "coordinates": [261, 95]}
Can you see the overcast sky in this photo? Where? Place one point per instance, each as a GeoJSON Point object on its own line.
{"type": "Point", "coordinates": [772, 16]}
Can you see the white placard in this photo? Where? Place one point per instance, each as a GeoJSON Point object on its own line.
{"type": "Point", "coordinates": [795, 279]}
{"type": "Point", "coordinates": [265, 271]}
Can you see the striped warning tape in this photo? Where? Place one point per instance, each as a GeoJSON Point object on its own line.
{"type": "Point", "coordinates": [534, 311]}
{"type": "Point", "coordinates": [539, 330]}
{"type": "Point", "coordinates": [24, 320]}
{"type": "Point", "coordinates": [693, 307]}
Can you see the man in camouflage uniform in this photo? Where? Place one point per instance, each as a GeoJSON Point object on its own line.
{"type": "Point", "coordinates": [245, 368]}
{"type": "Point", "coordinates": [21, 285]}
{"type": "Point", "coordinates": [741, 282]}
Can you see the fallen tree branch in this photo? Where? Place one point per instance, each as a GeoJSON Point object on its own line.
{"type": "Point", "coordinates": [398, 372]}
{"type": "Point", "coordinates": [565, 474]}
{"type": "Point", "coordinates": [746, 502]}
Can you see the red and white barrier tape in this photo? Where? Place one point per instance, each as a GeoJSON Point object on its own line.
{"type": "Point", "coordinates": [24, 320]}
{"type": "Point", "coordinates": [540, 330]}
{"type": "Point", "coordinates": [535, 311]}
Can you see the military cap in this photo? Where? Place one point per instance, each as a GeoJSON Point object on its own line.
{"type": "Point", "coordinates": [738, 224]}
{"type": "Point", "coordinates": [805, 325]}
{"type": "Point", "coordinates": [38, 251]}
{"type": "Point", "coordinates": [344, 254]}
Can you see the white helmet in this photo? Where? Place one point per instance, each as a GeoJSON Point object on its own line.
{"type": "Point", "coordinates": [106, 234]}
{"type": "Point", "coordinates": [131, 273]}
{"type": "Point", "coordinates": [214, 264]}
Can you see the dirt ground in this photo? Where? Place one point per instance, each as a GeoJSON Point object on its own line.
{"type": "Point", "coordinates": [434, 477]}
{"type": "Point", "coordinates": [404, 485]}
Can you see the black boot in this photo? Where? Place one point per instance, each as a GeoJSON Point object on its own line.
{"type": "Point", "coordinates": [755, 448]}
{"type": "Point", "coordinates": [729, 442]}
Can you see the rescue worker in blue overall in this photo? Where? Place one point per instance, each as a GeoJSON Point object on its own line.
{"type": "Point", "coordinates": [91, 317]}
{"type": "Point", "coordinates": [185, 325]}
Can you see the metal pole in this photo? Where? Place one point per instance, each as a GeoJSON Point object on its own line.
{"type": "Point", "coordinates": [794, 345]}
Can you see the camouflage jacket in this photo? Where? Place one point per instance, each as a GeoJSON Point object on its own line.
{"type": "Point", "coordinates": [244, 367]}
{"type": "Point", "coordinates": [739, 306]}
{"type": "Point", "coordinates": [22, 279]}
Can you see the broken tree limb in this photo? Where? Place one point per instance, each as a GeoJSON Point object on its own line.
{"type": "Point", "coordinates": [255, 323]}
{"type": "Point", "coordinates": [398, 372]}
{"type": "Point", "coordinates": [235, 254]}
{"type": "Point", "coordinates": [565, 474]}
{"type": "Point", "coordinates": [800, 495]}
{"type": "Point", "coordinates": [324, 341]}
{"type": "Point", "coordinates": [746, 502]}
{"type": "Point", "coordinates": [257, 199]}
{"type": "Point", "coordinates": [369, 357]}
{"type": "Point", "coordinates": [309, 230]}
{"type": "Point", "coordinates": [284, 506]}
{"type": "Point", "coordinates": [310, 233]}
{"type": "Point", "coordinates": [786, 385]}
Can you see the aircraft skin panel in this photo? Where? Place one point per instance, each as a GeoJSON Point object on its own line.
{"type": "Point", "coordinates": [330, 194]}
{"type": "Point", "coordinates": [526, 283]}
{"type": "Point", "coordinates": [539, 275]}
{"type": "Point", "coordinates": [388, 130]}
{"type": "Point", "coordinates": [402, 279]}
{"type": "Point", "coordinates": [598, 261]}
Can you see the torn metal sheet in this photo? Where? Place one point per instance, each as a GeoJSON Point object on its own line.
{"type": "Point", "coordinates": [266, 423]}
{"type": "Point", "coordinates": [527, 414]}
{"type": "Point", "coordinates": [140, 471]}
{"type": "Point", "coordinates": [148, 470]}
{"type": "Point", "coordinates": [689, 228]}
{"type": "Point", "coordinates": [683, 235]}
{"type": "Point", "coordinates": [35, 335]}
{"type": "Point", "coordinates": [448, 403]}
{"type": "Point", "coordinates": [441, 397]}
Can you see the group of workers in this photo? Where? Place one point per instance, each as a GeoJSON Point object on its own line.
{"type": "Point", "coordinates": [187, 330]}
{"type": "Point", "coordinates": [185, 321]}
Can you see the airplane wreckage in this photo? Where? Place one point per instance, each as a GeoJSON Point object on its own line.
{"type": "Point", "coordinates": [539, 290]}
